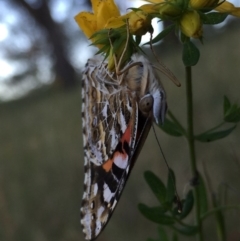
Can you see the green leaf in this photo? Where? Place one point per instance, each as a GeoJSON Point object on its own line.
{"type": "Point", "coordinates": [175, 237]}
{"type": "Point", "coordinates": [171, 186]}
{"type": "Point", "coordinates": [226, 105]}
{"type": "Point", "coordinates": [134, 9]}
{"type": "Point", "coordinates": [220, 221]}
{"type": "Point", "coordinates": [155, 214]}
{"type": "Point", "coordinates": [209, 136]}
{"type": "Point", "coordinates": [138, 39]}
{"type": "Point", "coordinates": [171, 128]}
{"type": "Point", "coordinates": [100, 32]}
{"type": "Point", "coordinates": [103, 49]}
{"type": "Point", "coordinates": [190, 54]}
{"type": "Point", "coordinates": [161, 35]}
{"type": "Point", "coordinates": [233, 114]}
{"type": "Point", "coordinates": [156, 186]}
{"type": "Point", "coordinates": [162, 234]}
{"type": "Point", "coordinates": [187, 205]}
{"type": "Point", "coordinates": [186, 230]}
{"type": "Point", "coordinates": [213, 18]}
{"type": "Point", "coordinates": [202, 193]}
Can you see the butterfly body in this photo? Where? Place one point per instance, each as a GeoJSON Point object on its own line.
{"type": "Point", "coordinates": [117, 111]}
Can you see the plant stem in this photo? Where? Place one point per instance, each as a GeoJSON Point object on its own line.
{"type": "Point", "coordinates": [214, 210]}
{"type": "Point", "coordinates": [191, 145]}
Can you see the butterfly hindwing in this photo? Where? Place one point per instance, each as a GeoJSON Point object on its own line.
{"type": "Point", "coordinates": [114, 129]}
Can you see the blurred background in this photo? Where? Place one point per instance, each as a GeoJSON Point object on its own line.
{"type": "Point", "coordinates": [42, 54]}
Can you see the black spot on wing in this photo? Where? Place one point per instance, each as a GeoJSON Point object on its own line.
{"type": "Point", "coordinates": [126, 148]}
{"type": "Point", "coordinates": [117, 171]}
{"type": "Point", "coordinates": [119, 148]}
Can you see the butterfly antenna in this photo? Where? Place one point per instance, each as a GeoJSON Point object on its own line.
{"type": "Point", "coordinates": [179, 204]}
{"type": "Point", "coordinates": [162, 67]}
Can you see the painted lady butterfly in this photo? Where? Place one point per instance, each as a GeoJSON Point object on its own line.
{"type": "Point", "coordinates": [117, 111]}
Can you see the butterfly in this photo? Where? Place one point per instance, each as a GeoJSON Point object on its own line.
{"type": "Point", "coordinates": [117, 114]}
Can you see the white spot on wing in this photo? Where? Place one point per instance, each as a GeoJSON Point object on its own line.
{"type": "Point", "coordinates": [120, 161]}
{"type": "Point", "coordinates": [123, 122]}
{"type": "Point", "coordinates": [107, 194]}
{"type": "Point", "coordinates": [95, 189]}
{"type": "Point", "coordinates": [86, 178]}
{"type": "Point", "coordinates": [114, 204]}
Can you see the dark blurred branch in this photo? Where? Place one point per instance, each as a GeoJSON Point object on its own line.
{"type": "Point", "coordinates": [65, 73]}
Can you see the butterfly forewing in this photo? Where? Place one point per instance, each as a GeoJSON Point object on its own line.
{"type": "Point", "coordinates": [114, 129]}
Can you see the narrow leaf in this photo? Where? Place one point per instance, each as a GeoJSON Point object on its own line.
{"type": "Point", "coordinates": [162, 234]}
{"type": "Point", "coordinates": [175, 237]}
{"type": "Point", "coordinates": [213, 18]}
{"type": "Point", "coordinates": [171, 128]}
{"type": "Point", "coordinates": [187, 205]}
{"type": "Point", "coordinates": [155, 214]}
{"type": "Point", "coordinates": [202, 193]}
{"type": "Point", "coordinates": [138, 39]}
{"type": "Point", "coordinates": [220, 221]}
{"type": "Point", "coordinates": [171, 186]}
{"type": "Point", "coordinates": [226, 104]}
{"type": "Point", "coordinates": [190, 54]}
{"type": "Point", "coordinates": [156, 186]}
{"type": "Point", "coordinates": [186, 230]}
{"type": "Point", "coordinates": [213, 136]}
{"type": "Point", "coordinates": [233, 114]}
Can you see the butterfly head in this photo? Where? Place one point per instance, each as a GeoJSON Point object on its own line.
{"type": "Point", "coordinates": [144, 81]}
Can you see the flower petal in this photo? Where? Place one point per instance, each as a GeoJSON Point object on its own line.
{"type": "Point", "coordinates": [115, 22]}
{"type": "Point", "coordinates": [227, 7]}
{"type": "Point", "coordinates": [87, 22]}
{"type": "Point", "coordinates": [106, 9]}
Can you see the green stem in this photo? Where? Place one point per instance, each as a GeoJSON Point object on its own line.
{"type": "Point", "coordinates": [191, 145]}
{"type": "Point", "coordinates": [214, 210]}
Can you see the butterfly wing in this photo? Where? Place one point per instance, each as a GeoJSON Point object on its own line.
{"type": "Point", "coordinates": [112, 127]}
{"type": "Point", "coordinates": [117, 116]}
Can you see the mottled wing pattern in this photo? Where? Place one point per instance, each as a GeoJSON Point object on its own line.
{"type": "Point", "coordinates": [109, 131]}
{"type": "Point", "coordinates": [113, 132]}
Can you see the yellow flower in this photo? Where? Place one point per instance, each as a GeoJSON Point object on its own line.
{"type": "Point", "coordinates": [169, 9]}
{"type": "Point", "coordinates": [224, 7]}
{"type": "Point", "coordinates": [139, 22]}
{"type": "Point", "coordinates": [227, 7]}
{"type": "Point", "coordinates": [103, 10]}
{"type": "Point", "coordinates": [190, 24]}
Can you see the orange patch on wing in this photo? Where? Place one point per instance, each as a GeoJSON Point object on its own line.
{"type": "Point", "coordinates": [127, 134]}
{"type": "Point", "coordinates": [107, 166]}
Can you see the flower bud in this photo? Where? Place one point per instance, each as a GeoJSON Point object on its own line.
{"type": "Point", "coordinates": [169, 9]}
{"type": "Point", "coordinates": [190, 24]}
{"type": "Point", "coordinates": [201, 4]}
{"type": "Point", "coordinates": [139, 23]}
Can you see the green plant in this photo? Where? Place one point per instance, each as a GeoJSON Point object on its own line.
{"type": "Point", "coordinates": [166, 214]}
